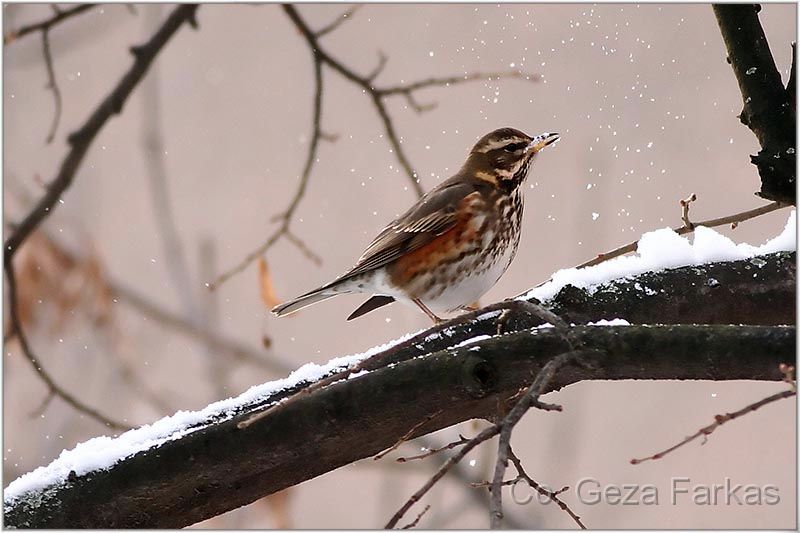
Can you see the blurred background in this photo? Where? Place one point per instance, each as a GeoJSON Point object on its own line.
{"type": "Point", "coordinates": [184, 183]}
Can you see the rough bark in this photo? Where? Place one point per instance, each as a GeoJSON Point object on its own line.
{"type": "Point", "coordinates": [758, 291]}
{"type": "Point", "coordinates": [768, 106]}
{"type": "Point", "coordinates": [219, 467]}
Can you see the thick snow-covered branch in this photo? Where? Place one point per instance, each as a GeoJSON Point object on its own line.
{"type": "Point", "coordinates": [219, 467]}
{"type": "Point", "coordinates": [194, 465]}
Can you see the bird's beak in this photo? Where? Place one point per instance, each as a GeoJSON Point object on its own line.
{"type": "Point", "coordinates": [540, 141]}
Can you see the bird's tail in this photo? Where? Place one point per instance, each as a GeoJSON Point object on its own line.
{"type": "Point", "coordinates": [309, 298]}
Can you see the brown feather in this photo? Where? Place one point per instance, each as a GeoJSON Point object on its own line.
{"type": "Point", "coordinates": [433, 215]}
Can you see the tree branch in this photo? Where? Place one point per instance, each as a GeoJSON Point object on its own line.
{"type": "Point", "coordinates": [285, 218]}
{"type": "Point", "coordinates": [46, 25]}
{"type": "Point", "coordinates": [52, 84]}
{"type": "Point", "coordinates": [689, 228]}
{"type": "Point", "coordinates": [80, 142]}
{"type": "Point", "coordinates": [377, 95]}
{"type": "Point", "coordinates": [719, 420]}
{"type": "Point", "coordinates": [528, 400]}
{"type": "Point", "coordinates": [767, 105]}
{"type": "Point", "coordinates": [356, 418]}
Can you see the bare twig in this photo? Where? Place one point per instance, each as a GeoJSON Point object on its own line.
{"type": "Point", "coordinates": [483, 436]}
{"type": "Point", "coordinates": [503, 428]}
{"type": "Point", "coordinates": [52, 84]}
{"type": "Point", "coordinates": [42, 407]}
{"type": "Point", "coordinates": [214, 341]}
{"type": "Point", "coordinates": [685, 211]}
{"type": "Point", "coordinates": [683, 230]}
{"type": "Point", "coordinates": [513, 417]}
{"type": "Point", "coordinates": [447, 81]}
{"type": "Point", "coordinates": [30, 356]}
{"type": "Point", "coordinates": [80, 141]}
{"type": "Point", "coordinates": [341, 19]}
{"type": "Point", "coordinates": [727, 417]}
{"type": "Point", "coordinates": [285, 218]}
{"type": "Point", "coordinates": [460, 442]}
{"type": "Point", "coordinates": [45, 25]}
{"type": "Point", "coordinates": [488, 484]}
{"type": "Point", "coordinates": [377, 95]}
{"type": "Point", "coordinates": [407, 436]}
{"type": "Point", "coordinates": [464, 477]}
{"type": "Point", "coordinates": [416, 520]}
{"type": "Point", "coordinates": [552, 495]}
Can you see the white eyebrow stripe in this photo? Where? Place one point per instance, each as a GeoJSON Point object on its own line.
{"type": "Point", "coordinates": [494, 145]}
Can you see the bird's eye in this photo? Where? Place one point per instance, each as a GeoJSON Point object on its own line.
{"type": "Point", "coordinates": [513, 147]}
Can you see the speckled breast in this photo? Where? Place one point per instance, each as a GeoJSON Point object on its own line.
{"type": "Point", "coordinates": [458, 267]}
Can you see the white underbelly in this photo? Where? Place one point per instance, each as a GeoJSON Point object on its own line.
{"type": "Point", "coordinates": [473, 282]}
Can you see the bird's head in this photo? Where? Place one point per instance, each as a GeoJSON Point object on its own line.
{"type": "Point", "coordinates": [503, 157]}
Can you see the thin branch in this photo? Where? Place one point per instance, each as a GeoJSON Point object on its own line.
{"type": "Point", "coordinates": [460, 442]}
{"type": "Point", "coordinates": [215, 342]}
{"type": "Point", "coordinates": [464, 477]}
{"type": "Point", "coordinates": [341, 19]}
{"type": "Point", "coordinates": [683, 230]}
{"type": "Point", "coordinates": [45, 25]}
{"type": "Point", "coordinates": [727, 417]}
{"type": "Point", "coordinates": [416, 520]}
{"type": "Point", "coordinates": [301, 245]}
{"type": "Point", "coordinates": [407, 436]}
{"type": "Point", "coordinates": [30, 356]}
{"type": "Point", "coordinates": [552, 495]}
{"type": "Point", "coordinates": [52, 84]}
{"type": "Point", "coordinates": [285, 218]}
{"type": "Point", "coordinates": [382, 60]}
{"type": "Point", "coordinates": [377, 96]}
{"type": "Point", "coordinates": [447, 81]}
{"type": "Point", "coordinates": [391, 135]}
{"type": "Point", "coordinates": [536, 389]}
{"type": "Point", "coordinates": [504, 428]}
{"type": "Point", "coordinates": [80, 142]}
{"type": "Point", "coordinates": [685, 203]}
{"type": "Point", "coordinates": [483, 436]}
{"type": "Point", "coordinates": [42, 407]}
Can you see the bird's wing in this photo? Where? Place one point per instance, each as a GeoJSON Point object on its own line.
{"type": "Point", "coordinates": [433, 215]}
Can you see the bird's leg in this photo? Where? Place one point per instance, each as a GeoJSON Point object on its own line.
{"type": "Point", "coordinates": [436, 319]}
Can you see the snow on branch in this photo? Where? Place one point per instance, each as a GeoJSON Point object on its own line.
{"type": "Point", "coordinates": [194, 465]}
{"type": "Point", "coordinates": [665, 248]}
{"type": "Point", "coordinates": [211, 467]}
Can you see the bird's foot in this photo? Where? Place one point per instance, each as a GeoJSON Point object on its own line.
{"type": "Point", "coordinates": [431, 315]}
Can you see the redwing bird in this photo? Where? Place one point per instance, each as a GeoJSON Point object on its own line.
{"type": "Point", "coordinates": [453, 244]}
